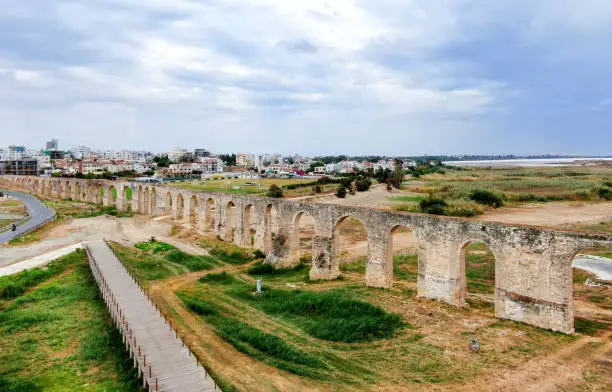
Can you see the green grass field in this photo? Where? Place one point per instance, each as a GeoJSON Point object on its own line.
{"type": "Point", "coordinates": [56, 333]}
{"type": "Point", "coordinates": [261, 186]}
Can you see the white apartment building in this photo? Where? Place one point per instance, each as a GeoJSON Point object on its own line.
{"type": "Point", "coordinates": [245, 160]}
{"type": "Point", "coordinates": [176, 154]}
{"type": "Point", "coordinates": [79, 152]}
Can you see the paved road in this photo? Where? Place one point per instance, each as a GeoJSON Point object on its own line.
{"type": "Point", "coordinates": [38, 213]}
{"type": "Point", "coordinates": [600, 266]}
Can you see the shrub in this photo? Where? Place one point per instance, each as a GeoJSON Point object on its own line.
{"type": "Point", "coordinates": [363, 185]}
{"type": "Point", "coordinates": [464, 208]}
{"type": "Point", "coordinates": [347, 181]}
{"type": "Point", "coordinates": [341, 192]}
{"type": "Point", "coordinates": [235, 257]}
{"type": "Point", "coordinates": [608, 184]}
{"type": "Point", "coordinates": [482, 196]}
{"type": "Point", "coordinates": [318, 188]}
{"type": "Point", "coordinates": [220, 278]}
{"type": "Point", "coordinates": [529, 198]}
{"type": "Point", "coordinates": [268, 269]}
{"type": "Point", "coordinates": [274, 191]}
{"type": "Point", "coordinates": [258, 254]}
{"type": "Point", "coordinates": [605, 193]}
{"type": "Point", "coordinates": [433, 206]}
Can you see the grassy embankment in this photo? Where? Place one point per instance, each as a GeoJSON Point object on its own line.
{"type": "Point", "coordinates": [56, 333]}
{"type": "Point", "coordinates": [341, 335]}
{"type": "Point", "coordinates": [13, 208]}
{"type": "Point", "coordinates": [470, 191]}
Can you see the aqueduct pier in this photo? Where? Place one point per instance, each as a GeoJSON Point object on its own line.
{"type": "Point", "coordinates": [533, 266]}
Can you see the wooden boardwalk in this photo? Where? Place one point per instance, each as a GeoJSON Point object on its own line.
{"type": "Point", "coordinates": [163, 361]}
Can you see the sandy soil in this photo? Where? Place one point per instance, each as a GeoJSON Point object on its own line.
{"type": "Point", "coordinates": [122, 230]}
{"type": "Point", "coordinates": [541, 214]}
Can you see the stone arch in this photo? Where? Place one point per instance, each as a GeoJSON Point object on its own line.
{"type": "Point", "coordinates": [193, 216]}
{"type": "Point", "coordinates": [180, 207]}
{"type": "Point", "coordinates": [146, 203]}
{"type": "Point", "coordinates": [210, 211]}
{"type": "Point", "coordinates": [478, 272]}
{"type": "Point", "coordinates": [140, 200]}
{"type": "Point", "coordinates": [68, 190]}
{"type": "Point", "coordinates": [402, 254]}
{"type": "Point", "coordinates": [168, 204]}
{"type": "Point", "coordinates": [43, 188]}
{"type": "Point", "coordinates": [112, 196]}
{"type": "Point", "coordinates": [249, 230]}
{"type": "Point", "coordinates": [341, 233]}
{"type": "Point", "coordinates": [229, 223]}
{"type": "Point", "coordinates": [295, 242]}
{"type": "Point", "coordinates": [270, 227]}
{"type": "Point", "coordinates": [153, 206]}
{"type": "Point", "coordinates": [127, 196]}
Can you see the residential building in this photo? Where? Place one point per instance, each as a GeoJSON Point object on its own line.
{"type": "Point", "coordinates": [201, 153]}
{"type": "Point", "coordinates": [176, 154]}
{"type": "Point", "coordinates": [80, 152]}
{"type": "Point", "coordinates": [52, 145]}
{"type": "Point", "coordinates": [245, 160]}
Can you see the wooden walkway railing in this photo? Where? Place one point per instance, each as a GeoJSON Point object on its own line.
{"type": "Point", "coordinates": [163, 360]}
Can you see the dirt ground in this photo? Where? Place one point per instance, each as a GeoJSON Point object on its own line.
{"type": "Point", "coordinates": [556, 214]}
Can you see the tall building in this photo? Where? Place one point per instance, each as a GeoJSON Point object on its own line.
{"type": "Point", "coordinates": [52, 145]}
{"type": "Point", "coordinates": [245, 160]}
{"type": "Point", "coordinates": [79, 152]}
{"type": "Point", "coordinates": [176, 154]}
{"type": "Point", "coordinates": [201, 153]}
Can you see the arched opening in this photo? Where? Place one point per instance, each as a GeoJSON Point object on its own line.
{"type": "Point", "coordinates": [193, 210]}
{"type": "Point", "coordinates": [79, 191]}
{"type": "Point", "coordinates": [180, 207]}
{"type": "Point", "coordinates": [250, 226]}
{"type": "Point", "coordinates": [591, 280]}
{"type": "Point", "coordinates": [140, 199]}
{"type": "Point", "coordinates": [112, 200]}
{"type": "Point", "coordinates": [68, 191]}
{"type": "Point", "coordinates": [211, 211]}
{"type": "Point", "coordinates": [403, 255]}
{"type": "Point", "coordinates": [230, 221]}
{"type": "Point", "coordinates": [99, 194]}
{"type": "Point", "coordinates": [478, 274]}
{"type": "Point", "coordinates": [127, 198]}
{"type": "Point", "coordinates": [168, 204]}
{"type": "Point", "coordinates": [351, 244]}
{"type": "Point", "coordinates": [153, 209]}
{"type": "Point", "coordinates": [145, 202]}
{"type": "Point", "coordinates": [301, 237]}
{"type": "Point", "coordinates": [271, 227]}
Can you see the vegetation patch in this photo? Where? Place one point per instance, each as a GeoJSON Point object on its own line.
{"type": "Point", "coordinates": [325, 315]}
{"type": "Point", "coordinates": [234, 257]}
{"type": "Point", "coordinates": [154, 246]}
{"type": "Point", "coordinates": [589, 327]}
{"type": "Point", "coordinates": [268, 269]}
{"type": "Point", "coordinates": [218, 278]}
{"type": "Point", "coordinates": [58, 336]}
{"type": "Point", "coordinates": [266, 347]}
{"type": "Point", "coordinates": [192, 262]}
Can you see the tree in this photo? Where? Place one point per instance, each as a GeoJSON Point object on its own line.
{"type": "Point", "coordinates": [228, 159]}
{"type": "Point", "coordinates": [274, 191]}
{"type": "Point", "coordinates": [341, 191]}
{"type": "Point", "coordinates": [363, 184]}
{"type": "Point", "coordinates": [318, 188]}
{"type": "Point", "coordinates": [162, 161]}
{"type": "Point", "coordinates": [398, 175]}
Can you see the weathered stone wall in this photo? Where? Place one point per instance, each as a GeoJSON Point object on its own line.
{"type": "Point", "coordinates": [533, 269]}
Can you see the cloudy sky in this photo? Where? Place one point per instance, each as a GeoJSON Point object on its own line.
{"type": "Point", "coordinates": [309, 76]}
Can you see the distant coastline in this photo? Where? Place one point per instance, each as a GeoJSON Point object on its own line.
{"type": "Point", "coordinates": [527, 162]}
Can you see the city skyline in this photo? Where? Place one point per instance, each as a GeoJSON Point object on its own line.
{"type": "Point", "coordinates": [355, 78]}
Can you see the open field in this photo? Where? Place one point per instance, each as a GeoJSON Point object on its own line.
{"type": "Point", "coordinates": [260, 188]}
{"type": "Point", "coordinates": [56, 333]}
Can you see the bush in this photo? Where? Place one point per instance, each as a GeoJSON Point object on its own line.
{"type": "Point", "coordinates": [275, 191]}
{"type": "Point", "coordinates": [433, 206]}
{"type": "Point", "coordinates": [363, 185]}
{"type": "Point", "coordinates": [605, 193]}
{"type": "Point", "coordinates": [220, 278]}
{"type": "Point", "coordinates": [268, 269]}
{"type": "Point", "coordinates": [235, 257]}
{"type": "Point", "coordinates": [258, 254]}
{"type": "Point", "coordinates": [482, 196]}
{"type": "Point", "coordinates": [341, 192]}
{"type": "Point", "coordinates": [346, 181]}
{"type": "Point", "coordinates": [464, 208]}
{"type": "Point", "coordinates": [529, 198]}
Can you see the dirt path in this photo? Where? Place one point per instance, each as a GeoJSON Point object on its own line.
{"type": "Point", "coordinates": [555, 371]}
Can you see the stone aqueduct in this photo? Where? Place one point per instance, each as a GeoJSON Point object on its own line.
{"type": "Point", "coordinates": [533, 270]}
